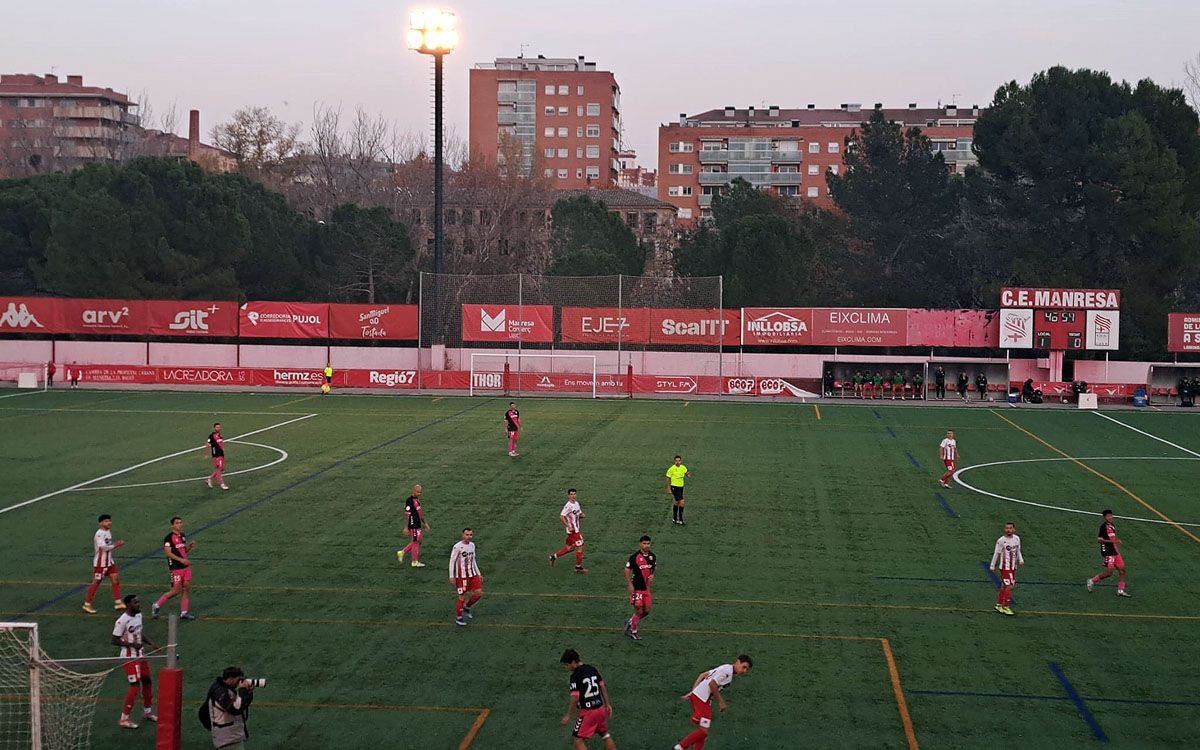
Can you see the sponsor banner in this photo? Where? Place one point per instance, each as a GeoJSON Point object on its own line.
{"type": "Point", "coordinates": [568, 382]}
{"type": "Point", "coordinates": [387, 378]}
{"type": "Point", "coordinates": [284, 320]}
{"type": "Point", "coordinates": [182, 318]}
{"type": "Point", "coordinates": [204, 376]}
{"type": "Point", "coordinates": [771, 387]}
{"type": "Point", "coordinates": [689, 325]}
{"type": "Point", "coordinates": [1183, 332]}
{"type": "Point", "coordinates": [1103, 330]}
{"type": "Point", "coordinates": [678, 385]}
{"type": "Point", "coordinates": [114, 373]}
{"type": "Point", "coordinates": [860, 326]}
{"type": "Point", "coordinates": [290, 376]}
{"type": "Point", "coordinates": [777, 326]}
{"type": "Point", "coordinates": [29, 315]}
{"type": "Point", "coordinates": [508, 323]}
{"type": "Point", "coordinates": [606, 325]}
{"type": "Point", "coordinates": [102, 316]}
{"type": "Point", "coordinates": [395, 322]}
{"type": "Point", "coordinates": [1064, 389]}
{"type": "Point", "coordinates": [1016, 329]}
{"type": "Point", "coordinates": [1071, 299]}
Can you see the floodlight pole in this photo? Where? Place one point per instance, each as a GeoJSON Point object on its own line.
{"type": "Point", "coordinates": [438, 229]}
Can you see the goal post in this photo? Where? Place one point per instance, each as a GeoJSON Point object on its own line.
{"type": "Point", "coordinates": [24, 375]}
{"type": "Point", "coordinates": [518, 373]}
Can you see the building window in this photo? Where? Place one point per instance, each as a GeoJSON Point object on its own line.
{"type": "Point", "coordinates": [579, 174]}
{"type": "Point", "coordinates": [579, 110]}
{"type": "Point", "coordinates": [548, 132]}
{"type": "Point", "coordinates": [549, 111]}
{"type": "Point", "coordinates": [451, 217]}
{"type": "Point", "coordinates": [579, 132]}
{"type": "Point", "coordinates": [579, 152]}
{"type": "Point", "coordinates": [506, 87]}
{"type": "Point", "coordinates": [562, 112]}
{"type": "Point", "coordinates": [790, 169]}
{"type": "Point", "coordinates": [685, 213]}
{"type": "Point", "coordinates": [593, 152]}
{"type": "Point", "coordinates": [548, 153]}
{"type": "Point", "coordinates": [562, 153]}
{"type": "Point", "coordinates": [593, 110]}
{"type": "Point", "coordinates": [579, 91]}
{"type": "Point", "coordinates": [548, 172]}
{"type": "Point", "coordinates": [593, 131]}
{"type": "Point", "coordinates": [833, 168]}
{"type": "Point", "coordinates": [563, 90]}
{"type": "Point", "coordinates": [679, 168]}
{"type": "Point", "coordinates": [593, 172]}
{"type": "Point", "coordinates": [812, 169]}
{"type": "Point", "coordinates": [562, 174]}
{"type": "Point", "coordinates": [789, 191]}
{"type": "Point", "coordinates": [813, 192]}
{"type": "Point", "coordinates": [834, 147]}
{"type": "Point", "coordinates": [814, 148]}
{"type": "Point", "coordinates": [562, 132]}
{"type": "Point", "coordinates": [679, 191]}
{"type": "Point", "coordinates": [549, 89]}
{"type": "Point", "coordinates": [631, 219]}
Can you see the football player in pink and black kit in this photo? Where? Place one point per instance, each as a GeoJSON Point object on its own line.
{"type": "Point", "coordinates": [416, 526]}
{"type": "Point", "coordinates": [512, 425]}
{"type": "Point", "coordinates": [1110, 554]}
{"type": "Point", "coordinates": [639, 574]}
{"type": "Point", "coordinates": [589, 694]}
{"type": "Point", "coordinates": [176, 546]}
{"type": "Point", "coordinates": [216, 446]}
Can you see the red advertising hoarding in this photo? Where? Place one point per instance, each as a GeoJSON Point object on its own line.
{"type": "Point", "coordinates": [606, 325]}
{"type": "Point", "coordinates": [102, 316]}
{"type": "Point", "coordinates": [777, 326]}
{"type": "Point", "coordinates": [369, 322]}
{"type": "Point", "coordinates": [1069, 299]}
{"type": "Point", "coordinates": [28, 315]}
{"type": "Point", "coordinates": [195, 318]}
{"type": "Point", "coordinates": [508, 323]}
{"type": "Point", "coordinates": [860, 326]}
{"type": "Point", "coordinates": [1183, 332]}
{"type": "Point", "coordinates": [284, 320]}
{"type": "Point", "coordinates": [695, 326]}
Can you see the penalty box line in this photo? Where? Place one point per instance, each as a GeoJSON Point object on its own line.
{"type": "Point", "coordinates": [128, 469]}
{"type": "Point", "coordinates": [1105, 477]}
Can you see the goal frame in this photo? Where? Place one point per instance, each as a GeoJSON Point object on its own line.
{"type": "Point", "coordinates": [35, 680]}
{"type": "Point", "coordinates": [40, 373]}
{"type": "Point", "coordinates": [505, 357]}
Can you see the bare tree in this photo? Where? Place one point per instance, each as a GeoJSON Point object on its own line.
{"type": "Point", "coordinates": [257, 139]}
{"type": "Point", "coordinates": [1191, 81]}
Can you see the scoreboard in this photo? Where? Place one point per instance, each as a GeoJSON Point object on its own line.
{"type": "Point", "coordinates": [1060, 319]}
{"type": "Point", "coordinates": [1059, 329]}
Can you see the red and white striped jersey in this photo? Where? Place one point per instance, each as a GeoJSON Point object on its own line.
{"type": "Point", "coordinates": [129, 630]}
{"type": "Point", "coordinates": [572, 513]}
{"type": "Point", "coordinates": [949, 449]}
{"type": "Point", "coordinates": [462, 560]}
{"type": "Point", "coordinates": [102, 547]}
{"type": "Point", "coordinates": [1008, 553]}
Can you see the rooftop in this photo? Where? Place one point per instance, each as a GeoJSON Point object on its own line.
{"type": "Point", "coordinates": [27, 84]}
{"type": "Point", "coordinates": [846, 114]}
{"type": "Point", "coordinates": [541, 62]}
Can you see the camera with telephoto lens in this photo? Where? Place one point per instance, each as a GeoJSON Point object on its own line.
{"type": "Point", "coordinates": [255, 682]}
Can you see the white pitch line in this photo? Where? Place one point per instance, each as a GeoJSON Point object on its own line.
{"type": "Point", "coordinates": [973, 488]}
{"type": "Point", "coordinates": [26, 393]}
{"type": "Point", "coordinates": [283, 456]}
{"type": "Point", "coordinates": [1152, 437]}
{"type": "Point", "coordinates": [128, 469]}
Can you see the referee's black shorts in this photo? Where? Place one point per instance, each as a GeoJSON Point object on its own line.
{"type": "Point", "coordinates": [677, 492]}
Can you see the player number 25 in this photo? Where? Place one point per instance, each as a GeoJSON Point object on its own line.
{"type": "Point", "coordinates": [591, 687]}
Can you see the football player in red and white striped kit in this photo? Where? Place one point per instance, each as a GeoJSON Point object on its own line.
{"type": "Point", "coordinates": [465, 576]}
{"type": "Point", "coordinates": [570, 517]}
{"type": "Point", "coordinates": [104, 565]}
{"type": "Point", "coordinates": [1008, 555]}
{"type": "Point", "coordinates": [949, 453]}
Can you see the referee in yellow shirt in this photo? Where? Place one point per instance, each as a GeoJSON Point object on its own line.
{"type": "Point", "coordinates": [676, 473]}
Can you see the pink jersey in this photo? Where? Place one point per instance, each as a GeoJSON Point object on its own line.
{"type": "Point", "coordinates": [102, 546]}
{"type": "Point", "coordinates": [949, 449]}
{"type": "Point", "coordinates": [1007, 555]}
{"type": "Point", "coordinates": [462, 561]}
{"type": "Point", "coordinates": [571, 513]}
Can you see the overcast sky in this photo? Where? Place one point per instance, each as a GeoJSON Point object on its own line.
{"type": "Point", "coordinates": [669, 56]}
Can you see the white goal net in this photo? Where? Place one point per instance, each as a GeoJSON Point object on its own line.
{"type": "Point", "coordinates": [521, 373]}
{"type": "Point", "coordinates": [23, 375]}
{"type": "Point", "coordinates": [43, 705]}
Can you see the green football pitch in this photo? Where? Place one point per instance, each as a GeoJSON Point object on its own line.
{"type": "Point", "coordinates": [817, 541]}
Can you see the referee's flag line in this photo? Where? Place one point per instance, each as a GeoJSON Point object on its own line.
{"type": "Point", "coordinates": [128, 469]}
{"type": "Point", "coordinates": [1105, 477]}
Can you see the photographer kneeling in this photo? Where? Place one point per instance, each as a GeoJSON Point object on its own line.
{"type": "Point", "coordinates": [228, 706]}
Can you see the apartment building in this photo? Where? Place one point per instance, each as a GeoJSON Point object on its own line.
{"type": "Point", "coordinates": [785, 151]}
{"type": "Point", "coordinates": [560, 117]}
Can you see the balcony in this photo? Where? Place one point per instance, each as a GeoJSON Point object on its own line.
{"type": "Point", "coordinates": [715, 178]}
{"type": "Point", "coordinates": [713, 156]}
{"type": "Point", "coordinates": [506, 117]}
{"type": "Point", "coordinates": [754, 178]}
{"type": "Point", "coordinates": [787, 157]}
{"type": "Point", "coordinates": [705, 201]}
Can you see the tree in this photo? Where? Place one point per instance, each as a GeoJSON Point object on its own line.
{"type": "Point", "coordinates": [257, 139]}
{"type": "Point", "coordinates": [370, 255]}
{"type": "Point", "coordinates": [899, 200]}
{"type": "Point", "coordinates": [588, 240]}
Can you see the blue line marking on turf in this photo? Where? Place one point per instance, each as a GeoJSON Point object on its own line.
{"type": "Point", "coordinates": [991, 574]}
{"type": "Point", "coordinates": [912, 459]}
{"type": "Point", "coordinates": [251, 506]}
{"type": "Point", "coordinates": [945, 505]}
{"type": "Point", "coordinates": [1080, 706]}
{"type": "Point", "coordinates": [876, 413]}
{"type": "Point", "coordinates": [888, 430]}
{"type": "Point", "coordinates": [1021, 696]}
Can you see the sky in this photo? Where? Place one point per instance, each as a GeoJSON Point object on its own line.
{"type": "Point", "coordinates": [668, 56]}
